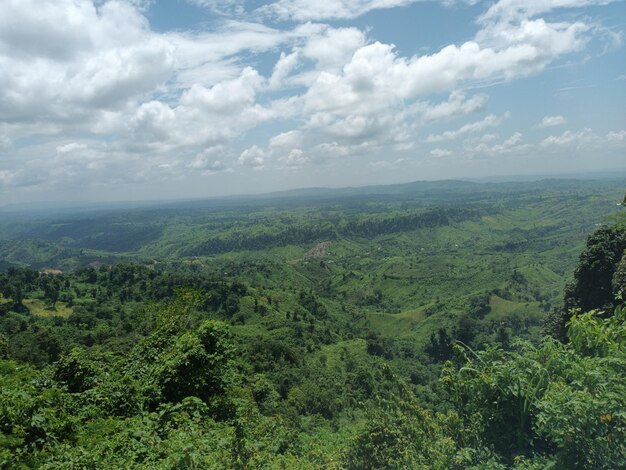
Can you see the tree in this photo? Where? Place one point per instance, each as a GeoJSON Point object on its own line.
{"type": "Point", "coordinates": [593, 286]}
{"type": "Point", "coordinates": [197, 363]}
{"type": "Point", "coordinates": [440, 346]}
{"type": "Point", "coordinates": [51, 290]}
{"type": "Point", "coordinates": [15, 291]}
{"type": "Point", "coordinates": [564, 401]}
{"type": "Point", "coordinates": [77, 371]}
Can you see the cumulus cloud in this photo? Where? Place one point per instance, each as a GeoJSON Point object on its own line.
{"type": "Point", "coordinates": [551, 121]}
{"type": "Point", "coordinates": [296, 149]}
{"type": "Point", "coordinates": [616, 136]}
{"type": "Point", "coordinates": [528, 48]}
{"type": "Point", "coordinates": [377, 78]}
{"type": "Point", "coordinates": [332, 48]}
{"type": "Point", "coordinates": [456, 105]}
{"type": "Point", "coordinates": [513, 145]}
{"type": "Point", "coordinates": [585, 142]}
{"type": "Point", "coordinates": [296, 158]}
{"type": "Point", "coordinates": [254, 157]}
{"type": "Point", "coordinates": [285, 65]}
{"type": "Point", "coordinates": [103, 94]}
{"type": "Point", "coordinates": [324, 49]}
{"type": "Point", "coordinates": [227, 97]}
{"type": "Point", "coordinates": [567, 138]}
{"type": "Point", "coordinates": [374, 96]}
{"type": "Point", "coordinates": [288, 139]}
{"type": "Point", "coordinates": [65, 60]}
{"type": "Point", "coordinates": [203, 117]}
{"type": "Point", "coordinates": [206, 164]}
{"type": "Point", "coordinates": [489, 121]}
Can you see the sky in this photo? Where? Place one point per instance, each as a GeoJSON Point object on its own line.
{"type": "Point", "coordinates": [164, 99]}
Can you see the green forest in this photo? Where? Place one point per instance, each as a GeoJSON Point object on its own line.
{"type": "Point", "coordinates": [431, 325]}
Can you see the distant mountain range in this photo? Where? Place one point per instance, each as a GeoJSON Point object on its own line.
{"type": "Point", "coordinates": [453, 188]}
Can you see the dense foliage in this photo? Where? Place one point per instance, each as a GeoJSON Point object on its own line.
{"type": "Point", "coordinates": [360, 350]}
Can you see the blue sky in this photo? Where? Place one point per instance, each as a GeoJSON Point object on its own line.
{"type": "Point", "coordinates": [135, 99]}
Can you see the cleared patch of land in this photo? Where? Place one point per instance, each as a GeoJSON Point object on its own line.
{"type": "Point", "coordinates": [39, 308]}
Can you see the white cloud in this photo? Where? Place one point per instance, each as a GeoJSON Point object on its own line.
{"type": "Point", "coordinates": [567, 138]}
{"type": "Point", "coordinates": [377, 77]}
{"type": "Point", "coordinates": [373, 96]}
{"type": "Point", "coordinates": [72, 146]}
{"type": "Point", "coordinates": [232, 7]}
{"type": "Point", "coordinates": [202, 118]}
{"type": "Point", "coordinates": [387, 164]}
{"type": "Point", "coordinates": [514, 140]}
{"type": "Point", "coordinates": [324, 49]}
{"type": "Point", "coordinates": [61, 59]}
{"type": "Point", "coordinates": [287, 150]}
{"type": "Point", "coordinates": [334, 149]}
{"type": "Point", "coordinates": [584, 138]}
{"type": "Point", "coordinates": [618, 136]}
{"type": "Point", "coordinates": [227, 97]}
{"type": "Point", "coordinates": [372, 99]}
{"type": "Point", "coordinates": [456, 105]}
{"type": "Point", "coordinates": [6, 177]}
{"type": "Point", "coordinates": [152, 122]}
{"type": "Point", "coordinates": [513, 145]}
{"type": "Point", "coordinates": [254, 157]}
{"type": "Point", "coordinates": [486, 138]}
{"type": "Point", "coordinates": [333, 47]}
{"type": "Point", "coordinates": [285, 65]}
{"type": "Point", "coordinates": [288, 139]}
{"type": "Point", "coordinates": [551, 121]}
{"type": "Point", "coordinates": [586, 142]}
{"type": "Point", "coordinates": [209, 161]}
{"type": "Point", "coordinates": [209, 57]}
{"type": "Point", "coordinates": [305, 10]}
{"type": "Point", "coordinates": [114, 76]}
{"type": "Point", "coordinates": [296, 158]}
{"type": "Point", "coordinates": [515, 9]}
{"type": "Point", "coordinates": [489, 121]}
{"type": "Point", "coordinates": [440, 153]}
{"type": "Point", "coordinates": [145, 105]}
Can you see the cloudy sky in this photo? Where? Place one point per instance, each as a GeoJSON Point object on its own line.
{"type": "Point", "coordinates": [137, 99]}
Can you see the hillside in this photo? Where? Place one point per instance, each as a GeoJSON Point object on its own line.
{"type": "Point", "coordinates": [386, 327]}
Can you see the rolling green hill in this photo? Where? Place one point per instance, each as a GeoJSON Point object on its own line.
{"type": "Point", "coordinates": [311, 329]}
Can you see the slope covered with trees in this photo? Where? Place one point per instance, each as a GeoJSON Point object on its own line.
{"type": "Point", "coordinates": [444, 345]}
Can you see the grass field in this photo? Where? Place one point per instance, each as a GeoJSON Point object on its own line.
{"type": "Point", "coordinates": [39, 308]}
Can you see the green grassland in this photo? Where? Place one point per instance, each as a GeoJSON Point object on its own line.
{"type": "Point", "coordinates": [39, 308]}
